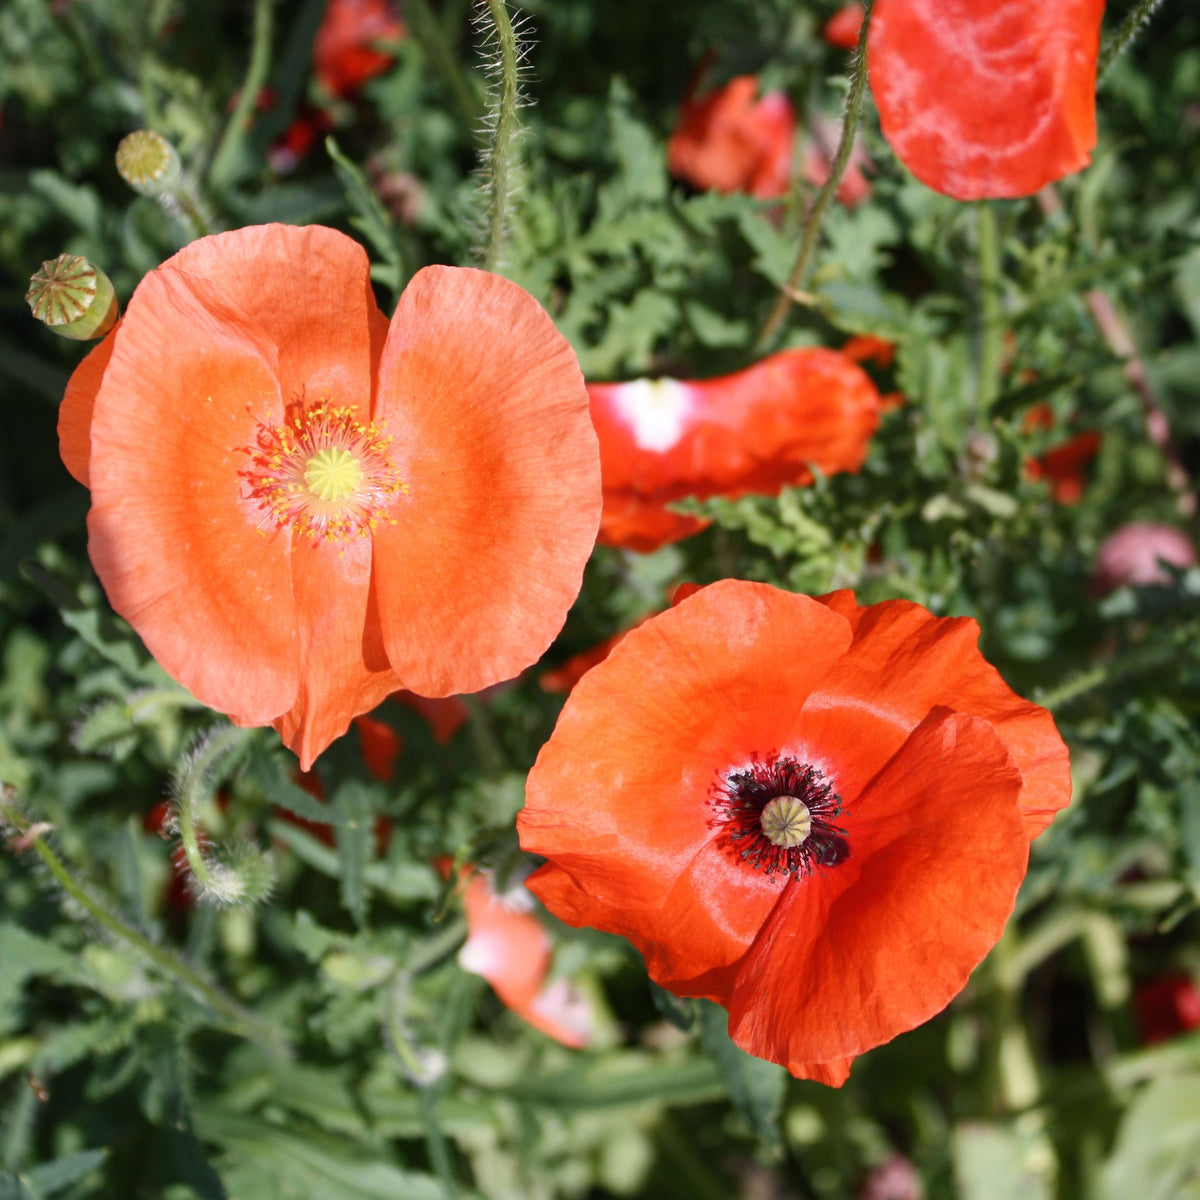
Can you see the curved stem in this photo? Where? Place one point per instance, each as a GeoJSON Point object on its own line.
{"type": "Point", "coordinates": [808, 240]}
{"type": "Point", "coordinates": [224, 163]}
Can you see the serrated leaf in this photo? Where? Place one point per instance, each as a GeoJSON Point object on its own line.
{"type": "Point", "coordinates": [373, 220]}
{"type": "Point", "coordinates": [754, 1086]}
{"type": "Point", "coordinates": [353, 801]}
{"type": "Point", "coordinates": [278, 789]}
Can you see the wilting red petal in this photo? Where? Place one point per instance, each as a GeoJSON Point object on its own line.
{"type": "Point", "coordinates": [345, 53]}
{"type": "Point", "coordinates": [986, 98]}
{"type": "Point", "coordinates": [755, 430]}
{"type": "Point", "coordinates": [728, 140]}
{"type": "Point", "coordinates": [495, 445]}
{"type": "Point", "coordinates": [75, 411]}
{"type": "Point", "coordinates": [842, 29]}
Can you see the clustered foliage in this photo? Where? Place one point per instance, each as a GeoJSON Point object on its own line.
{"type": "Point", "coordinates": [312, 1034]}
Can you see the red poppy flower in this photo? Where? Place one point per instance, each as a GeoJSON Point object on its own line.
{"type": "Point", "coordinates": [302, 508]}
{"type": "Point", "coordinates": [756, 430]}
{"type": "Point", "coordinates": [1062, 467]}
{"type": "Point", "coordinates": [814, 813]}
{"type": "Point", "coordinates": [731, 140]}
{"type": "Point", "coordinates": [1167, 1007]}
{"type": "Point", "coordinates": [347, 51]}
{"type": "Point", "coordinates": [986, 98]}
{"type": "Point", "coordinates": [842, 29]}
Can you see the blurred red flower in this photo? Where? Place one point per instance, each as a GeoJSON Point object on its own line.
{"type": "Point", "coordinates": [986, 98]}
{"type": "Point", "coordinates": [842, 29]}
{"type": "Point", "coordinates": [1166, 1007]}
{"type": "Point", "coordinates": [288, 503]}
{"type": "Point", "coordinates": [1135, 553]}
{"type": "Point", "coordinates": [756, 430]}
{"type": "Point", "coordinates": [1062, 467]}
{"type": "Point", "coordinates": [814, 813]}
{"type": "Point", "coordinates": [350, 43]}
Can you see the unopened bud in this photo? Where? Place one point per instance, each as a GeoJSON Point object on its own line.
{"type": "Point", "coordinates": [148, 162]}
{"type": "Point", "coordinates": [73, 298]}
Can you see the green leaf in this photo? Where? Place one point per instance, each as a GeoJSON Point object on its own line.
{"type": "Point", "coordinates": [373, 220]}
{"type": "Point", "coordinates": [52, 1177]}
{"type": "Point", "coordinates": [1155, 1154]}
{"type": "Point", "coordinates": [990, 1164]}
{"type": "Point", "coordinates": [354, 838]}
{"type": "Point", "coordinates": [266, 772]}
{"type": "Point", "coordinates": [755, 1087]}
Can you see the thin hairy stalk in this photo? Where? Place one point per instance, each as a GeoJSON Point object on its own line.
{"type": "Point", "coordinates": [233, 1016]}
{"type": "Point", "coordinates": [501, 158]}
{"type": "Point", "coordinates": [1139, 16]}
{"type": "Point", "coordinates": [812, 224]}
{"type": "Point", "coordinates": [225, 161]}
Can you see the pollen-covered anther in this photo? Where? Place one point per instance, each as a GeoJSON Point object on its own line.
{"type": "Point", "coordinates": [324, 474]}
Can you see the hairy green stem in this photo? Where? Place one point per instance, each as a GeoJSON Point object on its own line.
{"type": "Point", "coordinates": [225, 161]}
{"type": "Point", "coordinates": [500, 164]}
{"type": "Point", "coordinates": [1139, 15]}
{"type": "Point", "coordinates": [234, 1017]}
{"type": "Point", "coordinates": [808, 240]}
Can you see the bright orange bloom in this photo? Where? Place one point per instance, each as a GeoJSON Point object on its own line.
{"type": "Point", "coordinates": [754, 431]}
{"type": "Point", "coordinates": [346, 52]}
{"type": "Point", "coordinates": [814, 813]}
{"type": "Point", "coordinates": [730, 140]}
{"type": "Point", "coordinates": [302, 507]}
{"type": "Point", "coordinates": [986, 98]}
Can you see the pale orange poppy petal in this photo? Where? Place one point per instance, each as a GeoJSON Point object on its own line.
{"type": "Point", "coordinates": [619, 796]}
{"type": "Point", "coordinates": [986, 98]}
{"type": "Point", "coordinates": [175, 543]}
{"type": "Point", "coordinates": [858, 953]}
{"type": "Point", "coordinates": [493, 439]}
{"type": "Point", "coordinates": [510, 948]}
{"type": "Point", "coordinates": [75, 411]}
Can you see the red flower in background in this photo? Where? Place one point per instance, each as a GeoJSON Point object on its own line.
{"type": "Point", "coordinates": [1063, 466]}
{"type": "Point", "coordinates": [732, 140]}
{"type": "Point", "coordinates": [814, 813]}
{"type": "Point", "coordinates": [756, 430]}
{"type": "Point", "coordinates": [349, 45]}
{"type": "Point", "coordinates": [288, 502]}
{"type": "Point", "coordinates": [1166, 1007]}
{"type": "Point", "coordinates": [842, 29]}
{"type": "Point", "coordinates": [986, 98]}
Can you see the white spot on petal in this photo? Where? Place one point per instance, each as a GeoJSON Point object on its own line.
{"type": "Point", "coordinates": [656, 410]}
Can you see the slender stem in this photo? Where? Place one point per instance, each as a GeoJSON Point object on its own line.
{"type": "Point", "coordinates": [500, 157]}
{"type": "Point", "coordinates": [1140, 15]}
{"type": "Point", "coordinates": [236, 1018]}
{"type": "Point", "coordinates": [808, 241]}
{"type": "Point", "coordinates": [991, 335]}
{"type": "Point", "coordinates": [1131, 663]}
{"type": "Point", "coordinates": [427, 29]}
{"type": "Point", "coordinates": [225, 161]}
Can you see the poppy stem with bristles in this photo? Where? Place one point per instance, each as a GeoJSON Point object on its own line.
{"type": "Point", "coordinates": [1138, 16]}
{"type": "Point", "coordinates": [505, 128]}
{"type": "Point", "coordinates": [808, 240]}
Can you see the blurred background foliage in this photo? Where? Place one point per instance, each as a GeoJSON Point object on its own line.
{"type": "Point", "coordinates": [327, 1042]}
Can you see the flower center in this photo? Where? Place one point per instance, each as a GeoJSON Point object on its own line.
{"type": "Point", "coordinates": [324, 474]}
{"type": "Point", "coordinates": [778, 814]}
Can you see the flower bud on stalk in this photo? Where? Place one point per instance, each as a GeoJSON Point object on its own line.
{"type": "Point", "coordinates": [73, 298]}
{"type": "Point", "coordinates": [148, 162]}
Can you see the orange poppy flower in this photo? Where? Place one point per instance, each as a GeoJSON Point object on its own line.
{"type": "Point", "coordinates": [756, 430]}
{"type": "Point", "coordinates": [346, 52]}
{"type": "Point", "coordinates": [986, 98]}
{"type": "Point", "coordinates": [815, 813]}
{"type": "Point", "coordinates": [302, 508]}
{"type": "Point", "coordinates": [731, 140]}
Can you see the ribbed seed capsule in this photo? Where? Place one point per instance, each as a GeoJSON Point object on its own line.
{"type": "Point", "coordinates": [148, 162]}
{"type": "Point", "coordinates": [73, 298]}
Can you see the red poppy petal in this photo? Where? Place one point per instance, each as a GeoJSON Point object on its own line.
{"type": "Point", "coordinates": [939, 661]}
{"type": "Point", "coordinates": [493, 438]}
{"type": "Point", "coordinates": [345, 670]}
{"type": "Point", "coordinates": [309, 290]}
{"type": "Point", "coordinates": [176, 545]}
{"type": "Point", "coordinates": [854, 955]}
{"type": "Point", "coordinates": [509, 948]}
{"type": "Point", "coordinates": [984, 98]}
{"type": "Point", "coordinates": [618, 796]}
{"type": "Point", "coordinates": [75, 411]}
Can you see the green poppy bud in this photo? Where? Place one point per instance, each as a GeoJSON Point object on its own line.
{"type": "Point", "coordinates": [73, 298]}
{"type": "Point", "coordinates": [148, 162]}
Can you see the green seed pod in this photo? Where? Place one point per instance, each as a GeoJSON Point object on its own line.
{"type": "Point", "coordinates": [148, 162]}
{"type": "Point", "coordinates": [73, 298]}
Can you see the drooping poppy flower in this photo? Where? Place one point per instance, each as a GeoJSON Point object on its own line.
{"type": "Point", "coordinates": [509, 947]}
{"type": "Point", "coordinates": [302, 508]}
{"type": "Point", "coordinates": [347, 50]}
{"type": "Point", "coordinates": [753, 431]}
{"type": "Point", "coordinates": [1166, 1007]}
{"type": "Point", "coordinates": [986, 98]}
{"type": "Point", "coordinates": [814, 813]}
{"type": "Point", "coordinates": [1135, 554]}
{"type": "Point", "coordinates": [732, 140]}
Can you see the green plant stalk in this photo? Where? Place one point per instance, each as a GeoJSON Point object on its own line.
{"type": "Point", "coordinates": [500, 157]}
{"type": "Point", "coordinates": [1132, 663]}
{"type": "Point", "coordinates": [237, 1019]}
{"type": "Point", "coordinates": [991, 335]}
{"type": "Point", "coordinates": [808, 240]}
{"type": "Point", "coordinates": [224, 161]}
{"type": "Point", "coordinates": [1138, 16]}
{"type": "Point", "coordinates": [427, 29]}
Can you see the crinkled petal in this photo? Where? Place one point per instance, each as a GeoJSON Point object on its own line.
{"type": "Point", "coordinates": [986, 98]}
{"type": "Point", "coordinates": [854, 955]}
{"type": "Point", "coordinates": [493, 439]}
{"type": "Point", "coordinates": [619, 797]}
{"type": "Point", "coordinates": [904, 663]}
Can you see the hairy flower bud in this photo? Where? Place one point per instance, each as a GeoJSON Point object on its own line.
{"type": "Point", "coordinates": [148, 162]}
{"type": "Point", "coordinates": [73, 298]}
